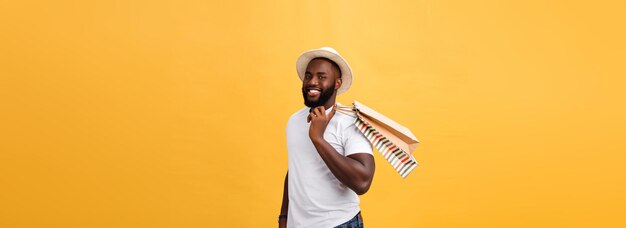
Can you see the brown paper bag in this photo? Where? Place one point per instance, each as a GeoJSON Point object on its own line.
{"type": "Point", "coordinates": [396, 133]}
{"type": "Point", "coordinates": [394, 141]}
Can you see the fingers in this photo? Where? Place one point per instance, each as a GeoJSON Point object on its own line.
{"type": "Point", "coordinates": [310, 116]}
{"type": "Point", "coordinates": [314, 112]}
{"type": "Point", "coordinates": [332, 113]}
{"type": "Point", "coordinates": [320, 111]}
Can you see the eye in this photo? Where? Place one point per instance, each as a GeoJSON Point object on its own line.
{"type": "Point", "coordinates": [307, 77]}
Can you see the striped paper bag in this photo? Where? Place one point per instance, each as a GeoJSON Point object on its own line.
{"type": "Point", "coordinates": [395, 142]}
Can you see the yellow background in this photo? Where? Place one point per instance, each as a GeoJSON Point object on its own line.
{"type": "Point", "coordinates": [172, 113]}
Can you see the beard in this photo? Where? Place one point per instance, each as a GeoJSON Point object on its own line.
{"type": "Point", "coordinates": [323, 97]}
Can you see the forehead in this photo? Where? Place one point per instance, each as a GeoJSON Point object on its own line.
{"type": "Point", "coordinates": [319, 65]}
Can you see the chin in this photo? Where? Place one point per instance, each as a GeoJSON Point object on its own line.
{"type": "Point", "coordinates": [310, 103]}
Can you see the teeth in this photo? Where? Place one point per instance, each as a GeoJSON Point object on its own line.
{"type": "Point", "coordinates": [313, 92]}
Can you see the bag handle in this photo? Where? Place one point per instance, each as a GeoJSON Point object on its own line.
{"type": "Point", "coordinates": [351, 111]}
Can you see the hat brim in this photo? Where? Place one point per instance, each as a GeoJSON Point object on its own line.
{"type": "Point", "coordinates": [346, 71]}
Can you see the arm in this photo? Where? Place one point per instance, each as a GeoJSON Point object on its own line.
{"type": "Point", "coordinates": [355, 171]}
{"type": "Point", "coordinates": [282, 223]}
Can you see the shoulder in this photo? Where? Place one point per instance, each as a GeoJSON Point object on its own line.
{"type": "Point", "coordinates": [344, 117]}
{"type": "Point", "coordinates": [344, 121]}
{"type": "Point", "coordinates": [301, 113]}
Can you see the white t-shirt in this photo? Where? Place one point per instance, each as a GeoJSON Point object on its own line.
{"type": "Point", "coordinates": [316, 197]}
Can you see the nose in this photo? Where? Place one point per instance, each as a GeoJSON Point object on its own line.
{"type": "Point", "coordinates": [312, 82]}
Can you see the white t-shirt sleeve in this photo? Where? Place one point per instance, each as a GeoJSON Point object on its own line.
{"type": "Point", "coordinates": [355, 142]}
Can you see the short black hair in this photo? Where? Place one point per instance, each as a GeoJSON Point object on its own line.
{"type": "Point", "coordinates": [335, 66]}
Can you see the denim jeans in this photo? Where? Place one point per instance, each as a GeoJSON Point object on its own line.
{"type": "Point", "coordinates": [356, 222]}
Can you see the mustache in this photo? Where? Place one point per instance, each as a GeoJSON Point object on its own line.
{"type": "Point", "coordinates": [325, 95]}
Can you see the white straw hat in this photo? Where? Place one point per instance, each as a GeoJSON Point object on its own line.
{"type": "Point", "coordinates": [329, 53]}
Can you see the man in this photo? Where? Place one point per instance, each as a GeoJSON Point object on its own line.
{"type": "Point", "coordinates": [330, 161]}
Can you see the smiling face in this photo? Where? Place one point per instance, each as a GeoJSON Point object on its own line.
{"type": "Point", "coordinates": [321, 81]}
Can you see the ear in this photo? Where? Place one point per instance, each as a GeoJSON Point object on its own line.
{"type": "Point", "coordinates": [338, 83]}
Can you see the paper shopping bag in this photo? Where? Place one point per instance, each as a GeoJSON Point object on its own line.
{"type": "Point", "coordinates": [395, 142]}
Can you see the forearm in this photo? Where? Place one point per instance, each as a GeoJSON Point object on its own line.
{"type": "Point", "coordinates": [351, 172]}
{"type": "Point", "coordinates": [285, 204]}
